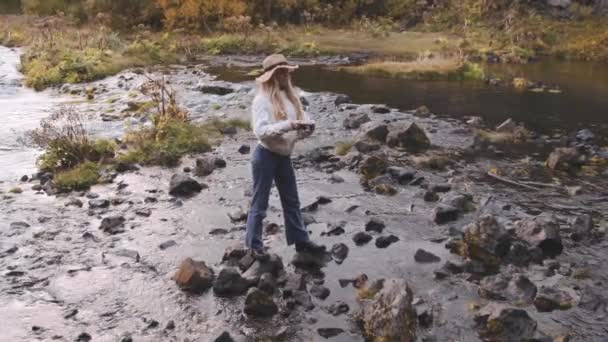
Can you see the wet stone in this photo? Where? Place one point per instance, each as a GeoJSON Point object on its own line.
{"type": "Point", "coordinates": [99, 203]}
{"type": "Point", "coordinates": [430, 196]}
{"type": "Point", "coordinates": [335, 228]}
{"type": "Point", "coordinates": [423, 256]}
{"type": "Point", "coordinates": [329, 332]}
{"type": "Point", "coordinates": [229, 282]}
{"type": "Point", "coordinates": [336, 179]}
{"type": "Point", "coordinates": [445, 213]}
{"type": "Point", "coordinates": [380, 109]}
{"type": "Point", "coordinates": [320, 292]}
{"type": "Point", "coordinates": [182, 185]}
{"type": "Point", "coordinates": [244, 149]}
{"type": "Point", "coordinates": [338, 308]}
{"type": "Point", "coordinates": [112, 224]}
{"type": "Point", "coordinates": [355, 120]}
{"type": "Point", "coordinates": [143, 212]}
{"type": "Point", "coordinates": [84, 337]}
{"type": "Point", "coordinates": [194, 276]}
{"type": "Point", "coordinates": [542, 232]}
{"type": "Point", "coordinates": [204, 166]}
{"type": "Point", "coordinates": [441, 188]}
{"type": "Point", "coordinates": [339, 252]}
{"type": "Point", "coordinates": [374, 130]}
{"type": "Point", "coordinates": [167, 244]}
{"type": "Point", "coordinates": [401, 174]}
{"type": "Point", "coordinates": [385, 241]}
{"type": "Point", "coordinates": [224, 337]}
{"type": "Point", "coordinates": [258, 303]}
{"type": "Point", "coordinates": [498, 322]}
{"type": "Point", "coordinates": [170, 325]}
{"type": "Point", "coordinates": [581, 227]}
{"type": "Point", "coordinates": [310, 260]}
{"type": "Point", "coordinates": [219, 162]}
{"type": "Point", "coordinates": [549, 299]}
{"type": "Point", "coordinates": [362, 238]}
{"type": "Point", "coordinates": [375, 224]}
{"type": "Point", "coordinates": [74, 202]}
{"type": "Point", "coordinates": [267, 283]}
{"type": "Point", "coordinates": [411, 138]}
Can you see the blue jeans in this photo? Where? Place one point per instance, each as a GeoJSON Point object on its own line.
{"type": "Point", "coordinates": [268, 166]}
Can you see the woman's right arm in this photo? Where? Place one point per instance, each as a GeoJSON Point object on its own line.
{"type": "Point", "coordinates": [262, 123]}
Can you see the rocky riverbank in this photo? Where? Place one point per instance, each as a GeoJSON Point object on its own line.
{"type": "Point", "coordinates": [472, 242]}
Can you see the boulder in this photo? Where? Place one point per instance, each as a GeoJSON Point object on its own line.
{"type": "Point", "coordinates": [411, 138]}
{"type": "Point", "coordinates": [230, 283]}
{"type": "Point", "coordinates": [219, 162]}
{"type": "Point", "coordinates": [318, 155]}
{"type": "Point", "coordinates": [204, 166]}
{"type": "Point", "coordinates": [517, 288]}
{"type": "Point", "coordinates": [355, 120]}
{"type": "Point", "coordinates": [113, 224]}
{"type": "Point", "coordinates": [259, 304]}
{"type": "Point", "coordinates": [194, 276]}
{"type": "Point", "coordinates": [372, 167]}
{"type": "Point", "coordinates": [342, 99]}
{"type": "Point", "coordinates": [549, 299]}
{"type": "Point", "coordinates": [366, 146]}
{"type": "Point", "coordinates": [182, 185]}
{"type": "Point", "coordinates": [374, 130]}
{"type": "Point", "coordinates": [460, 201]}
{"type": "Point", "coordinates": [311, 260]}
{"type": "Point", "coordinates": [564, 159]}
{"type": "Point", "coordinates": [388, 313]}
{"type": "Point", "coordinates": [486, 241]}
{"type": "Point", "coordinates": [542, 232]}
{"type": "Point", "coordinates": [499, 322]}
{"type": "Point", "coordinates": [274, 266]}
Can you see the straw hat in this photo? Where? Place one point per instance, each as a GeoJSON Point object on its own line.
{"type": "Point", "coordinates": [273, 63]}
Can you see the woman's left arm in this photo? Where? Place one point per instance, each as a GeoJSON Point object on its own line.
{"type": "Point", "coordinates": [303, 134]}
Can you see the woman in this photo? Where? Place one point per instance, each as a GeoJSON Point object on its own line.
{"type": "Point", "coordinates": [278, 121]}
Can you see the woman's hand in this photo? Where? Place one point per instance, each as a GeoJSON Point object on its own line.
{"type": "Point", "coordinates": [300, 125]}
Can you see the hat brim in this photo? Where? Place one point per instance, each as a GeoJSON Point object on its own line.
{"type": "Point", "coordinates": [265, 77]}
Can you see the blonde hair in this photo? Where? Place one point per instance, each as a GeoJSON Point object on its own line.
{"type": "Point", "coordinates": [273, 90]}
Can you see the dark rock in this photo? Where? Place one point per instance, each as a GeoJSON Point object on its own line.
{"type": "Point", "coordinates": [224, 337]}
{"type": "Point", "coordinates": [425, 257]}
{"type": "Point", "coordinates": [522, 254]}
{"type": "Point", "coordinates": [549, 299]}
{"type": "Point", "coordinates": [122, 167]}
{"type": "Point", "coordinates": [517, 288]}
{"type": "Point", "coordinates": [385, 241]}
{"type": "Point", "coordinates": [99, 203]}
{"type": "Point", "coordinates": [216, 89]}
{"type": "Point", "coordinates": [339, 252]}
{"type": "Point", "coordinates": [445, 213]}
{"type": "Point", "coordinates": [170, 325]}
{"type": "Point", "coordinates": [258, 303]}
{"type": "Point", "coordinates": [338, 308]}
{"type": "Point", "coordinates": [423, 112]}
{"type": "Point", "coordinates": [441, 188]}
{"type": "Point", "coordinates": [380, 109]}
{"type": "Point", "coordinates": [417, 181]}
{"type": "Point", "coordinates": [342, 99]}
{"type": "Point", "coordinates": [366, 146]}
{"type": "Point", "coordinates": [304, 101]}
{"type": "Point", "coordinates": [244, 149]}
{"type": "Point", "coordinates": [74, 202]}
{"type": "Point", "coordinates": [564, 159]}
{"type": "Point", "coordinates": [360, 281]}
{"type": "Point", "coordinates": [375, 131]}
{"type": "Point", "coordinates": [182, 185]}
{"type": "Point", "coordinates": [389, 315]}
{"type": "Point", "coordinates": [274, 266]}
{"type": "Point", "coordinates": [335, 228]}
{"type": "Point", "coordinates": [336, 179]}
{"type": "Point", "coordinates": [385, 189]}
{"type": "Point", "coordinates": [542, 232]}
{"type": "Point", "coordinates": [460, 201]}
{"type": "Point", "coordinates": [145, 212]}
{"type": "Point", "coordinates": [448, 269]}
{"type": "Point", "coordinates": [218, 231]}
{"type": "Point", "coordinates": [113, 224]}
{"type": "Point", "coordinates": [381, 180]}
{"type": "Point", "coordinates": [355, 120]}
{"type": "Point", "coordinates": [308, 219]}
{"type": "Point", "coordinates": [375, 224]}
{"type": "Point", "coordinates": [194, 276]}
{"type": "Point", "coordinates": [272, 228]}
{"type": "Point", "coordinates": [267, 283]}
{"type": "Point", "coordinates": [412, 138]}
{"type": "Point", "coordinates": [311, 261]}
{"type": "Point", "coordinates": [204, 166]}
{"type": "Point", "coordinates": [83, 337]}
{"type": "Point", "coordinates": [230, 283]}
{"type": "Point", "coordinates": [295, 282]}
{"type": "Point", "coordinates": [581, 227]}
{"type": "Point", "coordinates": [219, 162]}
{"type": "Point", "coordinates": [167, 244]}
{"type": "Point", "coordinates": [318, 155]}
{"type": "Point", "coordinates": [430, 196]}
{"type": "Point", "coordinates": [329, 332]}
{"type": "Point", "coordinates": [24, 178]}
{"type": "Point", "coordinates": [320, 292]}
{"type": "Point", "coordinates": [425, 318]}
{"type": "Point", "coordinates": [497, 322]}
{"type": "Point", "coordinates": [362, 238]}
{"type": "Point", "coordinates": [401, 174]}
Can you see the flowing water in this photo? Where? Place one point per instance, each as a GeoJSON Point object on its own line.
{"type": "Point", "coordinates": [21, 109]}
{"type": "Point", "coordinates": [583, 102]}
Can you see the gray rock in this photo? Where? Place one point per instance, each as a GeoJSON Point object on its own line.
{"type": "Point", "coordinates": [385, 241]}
{"type": "Point", "coordinates": [517, 288]}
{"type": "Point", "coordinates": [423, 112]}
{"type": "Point", "coordinates": [430, 196]}
{"type": "Point", "coordinates": [339, 252]}
{"type": "Point", "coordinates": [336, 179]}
{"type": "Point", "coordinates": [559, 3]}
{"type": "Point", "coordinates": [355, 120]}
{"type": "Point", "coordinates": [194, 276]}
{"type": "Point", "coordinates": [74, 202]}
{"type": "Point", "coordinates": [167, 244]}
{"type": "Point", "coordinates": [445, 213]}
{"type": "Point", "coordinates": [320, 292]}
{"type": "Point", "coordinates": [237, 215]}
{"type": "Point", "coordinates": [549, 299]}
{"type": "Point", "coordinates": [401, 174]}
{"type": "Point", "coordinates": [244, 149]}
{"type": "Point", "coordinates": [259, 304]}
{"type": "Point", "coordinates": [441, 188]}
{"type": "Point", "coordinates": [375, 224]}
{"type": "Point", "coordinates": [486, 241]}
{"type": "Point", "coordinates": [542, 232]}
{"type": "Point", "coordinates": [310, 261]}
{"type": "Point", "coordinates": [219, 162]}
{"type": "Point", "coordinates": [380, 109]}
{"type": "Point", "coordinates": [366, 146]}
{"type": "Point", "coordinates": [267, 283]}
{"type": "Point", "coordinates": [329, 332]}
{"type": "Point", "coordinates": [274, 266]}
{"type": "Point", "coordinates": [498, 322]}
{"type": "Point", "coordinates": [308, 219]}
{"type": "Point", "coordinates": [335, 228]}
{"type": "Point", "coordinates": [362, 238]}
{"type": "Point", "coordinates": [182, 185]}
{"type": "Point", "coordinates": [411, 138]}
{"type": "Point", "coordinates": [581, 227]}
{"type": "Point", "coordinates": [216, 89]}
{"type": "Point", "coordinates": [145, 212]}
{"type": "Point", "coordinates": [112, 224]}
{"type": "Point", "coordinates": [460, 201]}
{"type": "Point", "coordinates": [375, 131]}
{"type": "Point", "coordinates": [564, 159]}
{"type": "Point", "coordinates": [425, 257]}
{"type": "Point", "coordinates": [389, 315]}
{"type": "Point", "coordinates": [342, 99]}
{"type": "Point", "coordinates": [338, 308]}
{"type": "Point", "coordinates": [224, 337]}
{"type": "Point", "coordinates": [99, 203]}
{"type": "Point", "coordinates": [204, 166]}
{"type": "Point", "coordinates": [230, 283]}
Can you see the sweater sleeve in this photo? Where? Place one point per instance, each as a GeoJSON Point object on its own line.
{"type": "Point", "coordinates": [262, 123]}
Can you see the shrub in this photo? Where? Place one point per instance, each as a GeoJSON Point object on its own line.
{"type": "Point", "coordinates": [80, 177]}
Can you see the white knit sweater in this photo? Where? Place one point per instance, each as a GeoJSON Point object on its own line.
{"type": "Point", "coordinates": [277, 136]}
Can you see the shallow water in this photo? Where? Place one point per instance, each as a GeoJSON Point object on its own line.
{"type": "Point", "coordinates": [582, 104]}
{"type": "Point", "coordinates": [20, 109]}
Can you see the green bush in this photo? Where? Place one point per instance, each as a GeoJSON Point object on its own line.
{"type": "Point", "coordinates": [81, 177]}
{"type": "Point", "coordinates": [64, 154]}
